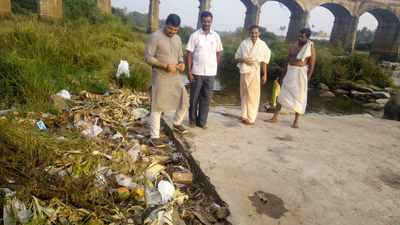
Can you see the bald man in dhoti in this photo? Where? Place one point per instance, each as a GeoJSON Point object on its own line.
{"type": "Point", "coordinates": [252, 55]}
{"type": "Point", "coordinates": [294, 86]}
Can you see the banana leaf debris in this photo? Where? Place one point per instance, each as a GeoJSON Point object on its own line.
{"type": "Point", "coordinates": [90, 162]}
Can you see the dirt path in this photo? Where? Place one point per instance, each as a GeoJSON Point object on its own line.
{"type": "Point", "coordinates": [333, 171]}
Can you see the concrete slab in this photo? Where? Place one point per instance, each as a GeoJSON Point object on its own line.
{"type": "Point", "coordinates": [333, 171]}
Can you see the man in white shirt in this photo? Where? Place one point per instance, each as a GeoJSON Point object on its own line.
{"type": "Point", "coordinates": [204, 54]}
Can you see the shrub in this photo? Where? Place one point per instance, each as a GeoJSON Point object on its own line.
{"type": "Point", "coordinates": [77, 9]}
{"type": "Point", "coordinates": [278, 58]}
{"type": "Point", "coordinates": [228, 72]}
{"type": "Point", "coordinates": [185, 33]}
{"type": "Point", "coordinates": [24, 6]}
{"type": "Point", "coordinates": [324, 67]}
{"type": "Point", "coordinates": [365, 70]}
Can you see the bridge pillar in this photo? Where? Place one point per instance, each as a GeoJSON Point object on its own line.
{"type": "Point", "coordinates": [297, 22]}
{"type": "Point", "coordinates": [386, 44]}
{"type": "Point", "coordinates": [205, 5]}
{"type": "Point", "coordinates": [252, 15]}
{"type": "Point", "coordinates": [154, 16]}
{"type": "Point", "coordinates": [51, 9]}
{"type": "Point", "coordinates": [344, 32]}
{"type": "Point", "coordinates": [104, 6]}
{"type": "Point", "coordinates": [5, 8]}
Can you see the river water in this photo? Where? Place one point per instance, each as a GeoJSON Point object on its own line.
{"type": "Point", "coordinates": [339, 105]}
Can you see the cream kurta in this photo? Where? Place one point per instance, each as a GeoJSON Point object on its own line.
{"type": "Point", "coordinates": [259, 52]}
{"type": "Point", "coordinates": [168, 91]}
{"type": "Point", "coordinates": [250, 76]}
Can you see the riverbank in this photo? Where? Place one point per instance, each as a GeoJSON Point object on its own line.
{"type": "Point", "coordinates": [334, 170]}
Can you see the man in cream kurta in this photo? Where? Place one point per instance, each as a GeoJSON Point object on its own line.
{"type": "Point", "coordinates": [251, 54]}
{"type": "Point", "coordinates": [164, 53]}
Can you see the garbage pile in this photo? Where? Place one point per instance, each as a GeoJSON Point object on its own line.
{"type": "Point", "coordinates": [91, 163]}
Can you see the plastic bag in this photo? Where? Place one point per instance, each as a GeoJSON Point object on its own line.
{"type": "Point", "coordinates": [93, 130]}
{"type": "Point", "coordinates": [64, 94]}
{"type": "Point", "coordinates": [15, 212]}
{"type": "Point", "coordinates": [123, 69]}
{"type": "Point", "coordinates": [125, 181]}
{"type": "Point", "coordinates": [140, 113]}
{"type": "Point", "coordinates": [153, 197]}
{"type": "Point", "coordinates": [41, 125]}
{"type": "Point", "coordinates": [166, 190]}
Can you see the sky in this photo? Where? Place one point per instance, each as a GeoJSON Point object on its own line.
{"type": "Point", "coordinates": [229, 14]}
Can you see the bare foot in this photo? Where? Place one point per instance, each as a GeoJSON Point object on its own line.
{"type": "Point", "coordinates": [272, 120]}
{"type": "Point", "coordinates": [295, 125]}
{"type": "Point", "coordinates": [247, 122]}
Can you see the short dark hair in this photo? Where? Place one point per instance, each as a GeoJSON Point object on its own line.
{"type": "Point", "coordinates": [306, 31]}
{"type": "Point", "coordinates": [252, 27]}
{"type": "Point", "coordinates": [173, 20]}
{"type": "Point", "coordinates": [205, 14]}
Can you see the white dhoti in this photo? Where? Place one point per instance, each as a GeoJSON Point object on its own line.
{"type": "Point", "coordinates": [250, 95]}
{"type": "Point", "coordinates": [294, 89]}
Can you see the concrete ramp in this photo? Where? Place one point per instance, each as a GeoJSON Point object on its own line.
{"type": "Point", "coordinates": [333, 171]}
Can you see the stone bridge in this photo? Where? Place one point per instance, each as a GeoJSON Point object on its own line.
{"type": "Point", "coordinates": [51, 8]}
{"type": "Point", "coordinates": [346, 13]}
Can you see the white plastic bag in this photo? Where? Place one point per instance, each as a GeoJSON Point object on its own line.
{"type": "Point", "coordinates": [152, 197]}
{"type": "Point", "coordinates": [166, 190]}
{"type": "Point", "coordinates": [123, 69]}
{"type": "Point", "coordinates": [64, 94]}
{"type": "Point", "coordinates": [15, 212]}
{"type": "Point", "coordinates": [125, 181]}
{"type": "Point", "coordinates": [93, 130]}
{"type": "Point", "coordinates": [139, 113]}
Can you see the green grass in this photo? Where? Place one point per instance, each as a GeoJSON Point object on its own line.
{"type": "Point", "coordinates": [37, 58]}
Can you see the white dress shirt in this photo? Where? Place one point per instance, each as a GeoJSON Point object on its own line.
{"type": "Point", "coordinates": [204, 48]}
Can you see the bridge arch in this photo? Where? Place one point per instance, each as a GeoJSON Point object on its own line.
{"type": "Point", "coordinates": [275, 17]}
{"type": "Point", "coordinates": [154, 13]}
{"type": "Point", "coordinates": [345, 24]}
{"type": "Point", "coordinates": [298, 15]}
{"type": "Point", "coordinates": [298, 18]}
{"type": "Point", "coordinates": [387, 35]}
{"type": "Point", "coordinates": [337, 7]}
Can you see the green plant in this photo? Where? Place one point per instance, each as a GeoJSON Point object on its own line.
{"type": "Point", "coordinates": [228, 72]}
{"type": "Point", "coordinates": [364, 70]}
{"type": "Point", "coordinates": [76, 9]}
{"type": "Point", "coordinates": [24, 6]}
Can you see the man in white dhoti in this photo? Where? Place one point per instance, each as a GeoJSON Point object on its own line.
{"type": "Point", "coordinates": [252, 54]}
{"type": "Point", "coordinates": [295, 82]}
